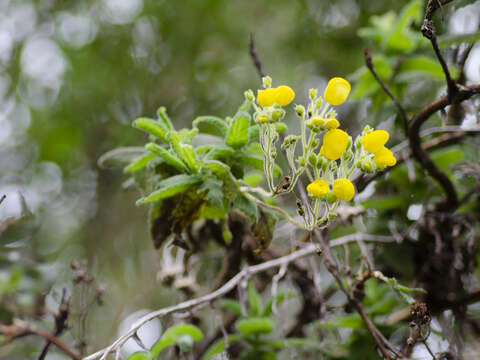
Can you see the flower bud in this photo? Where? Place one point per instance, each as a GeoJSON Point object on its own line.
{"type": "Point", "coordinates": [267, 82]}
{"type": "Point", "coordinates": [312, 159]}
{"type": "Point", "coordinates": [249, 95]}
{"type": "Point", "coordinates": [300, 110]}
{"type": "Point", "coordinates": [262, 118]}
{"type": "Point", "coordinates": [313, 93]}
{"type": "Point", "coordinates": [315, 143]}
{"type": "Point", "coordinates": [278, 114]}
{"type": "Point", "coordinates": [318, 121]}
{"type": "Point", "coordinates": [301, 161]}
{"type": "Point", "coordinates": [318, 103]}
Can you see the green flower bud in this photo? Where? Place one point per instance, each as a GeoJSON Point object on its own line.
{"type": "Point", "coordinates": [286, 143]}
{"type": "Point", "coordinates": [300, 110]}
{"type": "Point", "coordinates": [301, 161]}
{"type": "Point", "coordinates": [309, 124]}
{"type": "Point", "coordinates": [312, 159]}
{"type": "Point", "coordinates": [358, 142]}
{"type": "Point", "coordinates": [274, 154]}
{"type": "Point", "coordinates": [267, 82]}
{"type": "Point", "coordinates": [315, 143]}
{"type": "Point", "coordinates": [367, 130]}
{"type": "Point", "coordinates": [319, 103]}
{"type": "Point", "coordinates": [249, 95]}
{"type": "Point", "coordinates": [331, 198]}
{"type": "Point", "coordinates": [332, 215]}
{"type": "Point", "coordinates": [349, 144]}
{"type": "Point", "coordinates": [347, 155]}
{"type": "Point", "coordinates": [278, 114]}
{"type": "Point", "coordinates": [281, 127]}
{"type": "Point", "coordinates": [313, 93]}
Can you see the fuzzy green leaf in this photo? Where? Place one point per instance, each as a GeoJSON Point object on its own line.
{"type": "Point", "coordinates": [219, 347]}
{"type": "Point", "coordinates": [152, 127]}
{"type": "Point", "coordinates": [184, 151]}
{"type": "Point", "coordinates": [213, 187]}
{"type": "Point", "coordinates": [237, 135]}
{"type": "Point", "coordinates": [166, 156]}
{"type": "Point", "coordinates": [170, 187]}
{"type": "Point", "coordinates": [255, 161]}
{"type": "Point", "coordinates": [212, 125]}
{"type": "Point", "coordinates": [139, 164]}
{"type": "Point", "coordinates": [164, 119]}
{"type": "Point", "coordinates": [254, 301]}
{"type": "Point", "coordinates": [140, 355]}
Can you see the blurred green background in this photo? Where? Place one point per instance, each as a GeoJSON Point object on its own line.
{"type": "Point", "coordinates": [74, 74]}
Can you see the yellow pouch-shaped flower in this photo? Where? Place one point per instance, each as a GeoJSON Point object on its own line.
{"type": "Point", "coordinates": [343, 189]}
{"type": "Point", "coordinates": [384, 157]}
{"type": "Point", "coordinates": [284, 95]}
{"type": "Point", "coordinates": [266, 97]}
{"type": "Point", "coordinates": [375, 141]}
{"type": "Point", "coordinates": [335, 143]}
{"type": "Point", "coordinates": [318, 188]}
{"type": "Point", "coordinates": [337, 91]}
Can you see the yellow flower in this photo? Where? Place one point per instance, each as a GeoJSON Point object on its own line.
{"type": "Point", "coordinates": [366, 166]}
{"type": "Point", "coordinates": [266, 97]}
{"type": "Point", "coordinates": [343, 189]}
{"type": "Point", "coordinates": [374, 141]}
{"type": "Point", "coordinates": [337, 91]}
{"type": "Point", "coordinates": [335, 143]}
{"type": "Point", "coordinates": [318, 188]}
{"type": "Point", "coordinates": [384, 157]}
{"type": "Point", "coordinates": [262, 118]}
{"type": "Point", "coordinates": [318, 121]}
{"type": "Point", "coordinates": [332, 124]}
{"type": "Point", "coordinates": [284, 95]}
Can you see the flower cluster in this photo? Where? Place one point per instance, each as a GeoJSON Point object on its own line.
{"type": "Point", "coordinates": [328, 155]}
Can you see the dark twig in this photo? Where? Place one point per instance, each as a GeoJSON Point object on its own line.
{"type": "Point", "coordinates": [253, 54]}
{"type": "Point", "coordinates": [422, 156]}
{"type": "Point", "coordinates": [428, 30]}
{"type": "Point", "coordinates": [461, 63]}
{"type": "Point", "coordinates": [384, 346]}
{"type": "Point", "coordinates": [60, 322]}
{"type": "Point", "coordinates": [401, 109]}
{"type": "Point", "coordinates": [21, 328]}
{"type": "Point", "coordinates": [3, 198]}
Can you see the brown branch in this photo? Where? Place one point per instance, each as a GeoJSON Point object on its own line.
{"type": "Point", "coordinates": [401, 109]}
{"type": "Point", "coordinates": [428, 30]}
{"type": "Point", "coordinates": [385, 347]}
{"type": "Point", "coordinates": [21, 328]}
{"type": "Point", "coordinates": [3, 198]}
{"type": "Point", "coordinates": [422, 156]}
{"type": "Point", "coordinates": [60, 322]}
{"type": "Point", "coordinates": [253, 54]}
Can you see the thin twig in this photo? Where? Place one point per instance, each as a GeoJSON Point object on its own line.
{"type": "Point", "coordinates": [3, 198]}
{"type": "Point", "coordinates": [401, 109]}
{"type": "Point", "coordinates": [21, 328]}
{"type": "Point", "coordinates": [230, 285]}
{"type": "Point", "coordinates": [423, 157]}
{"type": "Point", "coordinates": [428, 30]}
{"type": "Point", "coordinates": [253, 54]}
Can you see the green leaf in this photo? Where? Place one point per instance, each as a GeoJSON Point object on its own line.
{"type": "Point", "coordinates": [184, 151]}
{"type": "Point", "coordinates": [237, 135]}
{"type": "Point", "coordinates": [153, 127]}
{"type": "Point", "coordinates": [211, 125]}
{"type": "Point", "coordinates": [222, 171]}
{"type": "Point", "coordinates": [349, 321]}
{"type": "Point", "coordinates": [249, 208]}
{"type": "Point", "coordinates": [255, 161]}
{"type": "Point", "coordinates": [177, 334]}
{"type": "Point", "coordinates": [139, 163]}
{"type": "Point", "coordinates": [444, 158]}
{"type": "Point", "coordinates": [456, 39]}
{"type": "Point", "coordinates": [164, 119]}
{"type": "Point", "coordinates": [281, 127]}
{"type": "Point", "coordinates": [220, 152]}
{"type": "Point", "coordinates": [402, 38]}
{"type": "Point", "coordinates": [253, 133]}
{"type": "Point", "coordinates": [169, 158]}
{"type": "Point", "coordinates": [254, 301]}
{"type": "Point", "coordinates": [255, 325]}
{"type": "Point", "coordinates": [170, 187]}
{"type": "Point", "coordinates": [219, 346]}
{"type": "Point", "coordinates": [213, 187]}
{"type": "Point", "coordinates": [279, 298]}
{"type": "Point", "coordinates": [140, 355]}
{"type": "Point", "coordinates": [422, 64]}
{"type": "Point", "coordinates": [232, 305]}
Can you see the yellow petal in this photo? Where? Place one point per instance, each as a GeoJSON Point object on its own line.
{"type": "Point", "coordinates": [343, 189]}
{"type": "Point", "coordinates": [335, 143]}
{"type": "Point", "coordinates": [318, 121]}
{"type": "Point", "coordinates": [374, 141]}
{"type": "Point", "coordinates": [284, 95]}
{"type": "Point", "coordinates": [266, 97]}
{"type": "Point", "coordinates": [337, 91]}
{"type": "Point", "coordinates": [262, 118]}
{"type": "Point", "coordinates": [384, 157]}
{"type": "Point", "coordinates": [318, 188]}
